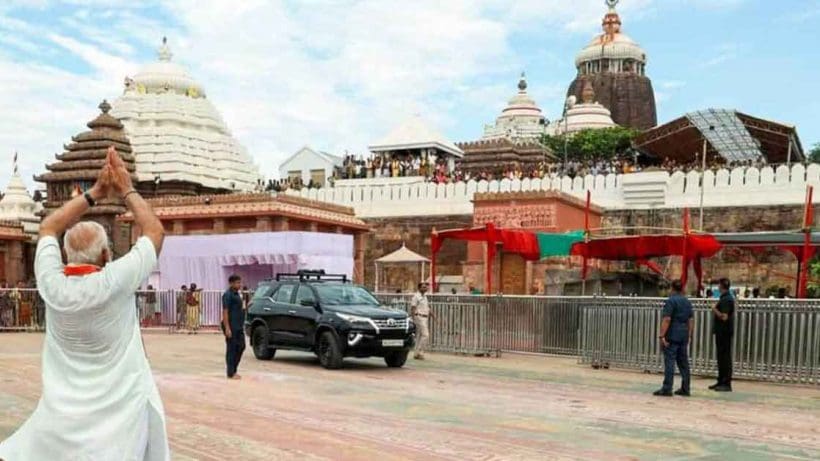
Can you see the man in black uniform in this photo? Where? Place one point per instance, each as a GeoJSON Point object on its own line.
{"type": "Point", "coordinates": [724, 328]}
{"type": "Point", "coordinates": [677, 327]}
{"type": "Point", "coordinates": [233, 320]}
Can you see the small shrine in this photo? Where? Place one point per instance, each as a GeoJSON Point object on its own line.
{"type": "Point", "coordinates": [77, 168]}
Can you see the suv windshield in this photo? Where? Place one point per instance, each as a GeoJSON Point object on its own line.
{"type": "Point", "coordinates": [344, 295]}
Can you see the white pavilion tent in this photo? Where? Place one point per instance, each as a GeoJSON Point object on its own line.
{"type": "Point", "coordinates": [401, 256]}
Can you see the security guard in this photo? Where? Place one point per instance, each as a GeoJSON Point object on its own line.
{"type": "Point", "coordinates": [420, 311]}
{"type": "Point", "coordinates": [677, 327]}
{"type": "Point", "coordinates": [723, 327]}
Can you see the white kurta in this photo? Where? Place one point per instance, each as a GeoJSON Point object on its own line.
{"type": "Point", "coordinates": [98, 391]}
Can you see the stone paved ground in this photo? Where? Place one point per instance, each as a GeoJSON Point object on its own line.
{"type": "Point", "coordinates": [447, 408]}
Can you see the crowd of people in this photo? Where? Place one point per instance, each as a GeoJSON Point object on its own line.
{"type": "Point", "coordinates": [440, 171]}
{"type": "Point", "coordinates": [20, 307]}
{"type": "Point", "coordinates": [184, 308]}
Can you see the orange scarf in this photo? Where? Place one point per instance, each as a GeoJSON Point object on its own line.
{"type": "Point", "coordinates": [80, 269]}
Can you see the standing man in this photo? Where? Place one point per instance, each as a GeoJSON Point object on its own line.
{"type": "Point", "coordinates": [723, 327]}
{"type": "Point", "coordinates": [181, 306]}
{"type": "Point", "coordinates": [420, 311]}
{"type": "Point", "coordinates": [676, 331]}
{"type": "Point", "coordinates": [99, 400]}
{"type": "Point", "coordinates": [233, 322]}
{"type": "Point", "coordinates": [192, 300]}
{"type": "Point", "coordinates": [153, 313]}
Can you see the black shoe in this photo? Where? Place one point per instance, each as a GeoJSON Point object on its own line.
{"type": "Point", "coordinates": [662, 393]}
{"type": "Point", "coordinates": [713, 386]}
{"type": "Point", "coordinates": [723, 388]}
{"type": "Point", "coordinates": [683, 393]}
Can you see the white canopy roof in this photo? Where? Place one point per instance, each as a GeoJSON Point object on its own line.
{"type": "Point", "coordinates": [403, 255]}
{"type": "Point", "coordinates": [414, 133]}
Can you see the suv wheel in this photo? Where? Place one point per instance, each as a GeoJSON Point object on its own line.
{"type": "Point", "coordinates": [259, 339]}
{"type": "Point", "coordinates": [396, 359]}
{"type": "Point", "coordinates": [329, 351]}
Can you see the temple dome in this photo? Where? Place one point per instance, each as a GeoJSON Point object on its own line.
{"type": "Point", "coordinates": [17, 205]}
{"type": "Point", "coordinates": [589, 114]}
{"type": "Point", "coordinates": [521, 119]}
{"type": "Point", "coordinates": [611, 44]}
{"type": "Point", "coordinates": [177, 134]}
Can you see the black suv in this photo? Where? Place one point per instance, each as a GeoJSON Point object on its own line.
{"type": "Point", "coordinates": [325, 314]}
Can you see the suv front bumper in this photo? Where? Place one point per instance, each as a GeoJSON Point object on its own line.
{"type": "Point", "coordinates": [368, 344]}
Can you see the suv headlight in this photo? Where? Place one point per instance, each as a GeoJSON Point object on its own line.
{"type": "Point", "coordinates": [354, 319]}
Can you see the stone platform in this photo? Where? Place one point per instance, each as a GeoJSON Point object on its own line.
{"type": "Point", "coordinates": [446, 408]}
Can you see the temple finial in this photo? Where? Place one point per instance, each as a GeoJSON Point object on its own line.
{"type": "Point", "coordinates": [164, 52]}
{"type": "Point", "coordinates": [14, 163]}
{"type": "Point", "coordinates": [104, 106]}
{"type": "Point", "coordinates": [611, 4]}
{"type": "Point", "coordinates": [522, 82]}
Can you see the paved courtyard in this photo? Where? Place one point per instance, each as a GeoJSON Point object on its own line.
{"type": "Point", "coordinates": [446, 408]}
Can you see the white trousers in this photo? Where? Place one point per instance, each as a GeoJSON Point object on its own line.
{"type": "Point", "coordinates": [422, 333]}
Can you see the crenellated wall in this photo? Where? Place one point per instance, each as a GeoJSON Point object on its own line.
{"type": "Point", "coordinates": [646, 190]}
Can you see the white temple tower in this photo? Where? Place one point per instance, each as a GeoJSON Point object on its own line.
{"type": "Point", "coordinates": [181, 144]}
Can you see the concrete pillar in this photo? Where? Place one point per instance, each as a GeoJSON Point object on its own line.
{"type": "Point", "coordinates": [263, 224]}
{"type": "Point", "coordinates": [340, 230]}
{"type": "Point", "coordinates": [313, 226]}
{"type": "Point", "coordinates": [179, 227]}
{"type": "Point", "coordinates": [219, 226]}
{"type": "Point", "coordinates": [280, 224]}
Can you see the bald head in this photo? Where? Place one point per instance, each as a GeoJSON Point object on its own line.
{"type": "Point", "coordinates": [86, 243]}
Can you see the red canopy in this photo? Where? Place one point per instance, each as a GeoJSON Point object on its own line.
{"type": "Point", "coordinates": [513, 241]}
{"type": "Point", "coordinates": [643, 247]}
{"type": "Point", "coordinates": [692, 248]}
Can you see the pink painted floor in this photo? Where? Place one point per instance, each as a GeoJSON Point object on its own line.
{"type": "Point", "coordinates": [446, 408]}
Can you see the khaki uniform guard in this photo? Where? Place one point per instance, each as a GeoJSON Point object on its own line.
{"type": "Point", "coordinates": [420, 310]}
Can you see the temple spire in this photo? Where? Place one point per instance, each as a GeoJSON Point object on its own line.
{"type": "Point", "coordinates": [164, 52]}
{"type": "Point", "coordinates": [522, 82]}
{"type": "Point", "coordinates": [14, 163]}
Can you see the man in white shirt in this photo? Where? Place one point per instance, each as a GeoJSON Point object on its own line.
{"type": "Point", "coordinates": [420, 310]}
{"type": "Point", "coordinates": [99, 401]}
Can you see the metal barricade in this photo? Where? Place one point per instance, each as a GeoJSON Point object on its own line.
{"type": "Point", "coordinates": [774, 340]}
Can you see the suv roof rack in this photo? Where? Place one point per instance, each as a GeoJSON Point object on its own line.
{"type": "Point", "coordinates": [313, 275]}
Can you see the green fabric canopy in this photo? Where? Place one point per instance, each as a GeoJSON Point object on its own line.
{"type": "Point", "coordinates": [557, 244]}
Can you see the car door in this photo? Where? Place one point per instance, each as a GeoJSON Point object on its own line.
{"type": "Point", "coordinates": [279, 315]}
{"type": "Point", "coordinates": [304, 315]}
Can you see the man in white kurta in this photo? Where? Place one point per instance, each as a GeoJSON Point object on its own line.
{"type": "Point", "coordinates": [99, 400]}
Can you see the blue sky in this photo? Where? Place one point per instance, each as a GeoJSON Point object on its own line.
{"type": "Point", "coordinates": [337, 75]}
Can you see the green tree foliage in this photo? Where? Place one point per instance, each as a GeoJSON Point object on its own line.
{"type": "Point", "coordinates": [592, 144]}
{"type": "Point", "coordinates": [814, 153]}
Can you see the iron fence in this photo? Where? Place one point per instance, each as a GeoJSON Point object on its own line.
{"type": "Point", "coordinates": [24, 310]}
{"type": "Point", "coordinates": [775, 340]}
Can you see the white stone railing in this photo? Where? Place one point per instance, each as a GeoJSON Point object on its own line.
{"type": "Point", "coordinates": [653, 189]}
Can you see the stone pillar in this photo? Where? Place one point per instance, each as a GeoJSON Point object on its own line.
{"type": "Point", "coordinates": [179, 227]}
{"type": "Point", "coordinates": [313, 226]}
{"type": "Point", "coordinates": [15, 265]}
{"type": "Point", "coordinates": [359, 241]}
{"type": "Point", "coordinates": [340, 230]}
{"type": "Point", "coordinates": [219, 226]}
{"type": "Point", "coordinates": [263, 224]}
{"type": "Point", "coordinates": [280, 224]}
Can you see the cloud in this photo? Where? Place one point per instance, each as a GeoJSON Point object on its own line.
{"type": "Point", "coordinates": [722, 53]}
{"type": "Point", "coordinates": [332, 74]}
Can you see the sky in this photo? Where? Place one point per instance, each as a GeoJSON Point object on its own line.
{"type": "Point", "coordinates": [337, 75]}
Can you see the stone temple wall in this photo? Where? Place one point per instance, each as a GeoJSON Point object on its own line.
{"type": "Point", "coordinates": [629, 97]}
{"type": "Point", "coordinates": [387, 236]}
{"type": "Point", "coordinates": [745, 268]}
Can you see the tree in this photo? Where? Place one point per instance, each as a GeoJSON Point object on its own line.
{"type": "Point", "coordinates": [592, 144]}
{"type": "Point", "coordinates": [814, 153]}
